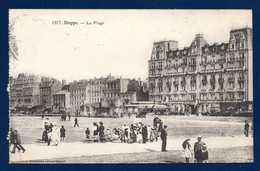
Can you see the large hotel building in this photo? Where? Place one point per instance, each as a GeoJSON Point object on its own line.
{"type": "Point", "coordinates": [202, 76]}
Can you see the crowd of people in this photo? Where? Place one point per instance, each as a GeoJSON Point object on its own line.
{"type": "Point", "coordinates": [134, 133]}
{"type": "Point", "coordinates": [137, 132]}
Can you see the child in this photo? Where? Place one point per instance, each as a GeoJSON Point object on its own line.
{"type": "Point", "coordinates": [203, 155]}
{"type": "Point", "coordinates": [87, 132]}
{"type": "Point", "coordinates": [186, 150]}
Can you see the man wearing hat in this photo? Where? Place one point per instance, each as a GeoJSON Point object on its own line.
{"type": "Point", "coordinates": [197, 149]}
{"type": "Point", "coordinates": [76, 122]}
{"type": "Point", "coordinates": [164, 138]}
{"type": "Point", "coordinates": [246, 129]}
{"type": "Point", "coordinates": [17, 142]}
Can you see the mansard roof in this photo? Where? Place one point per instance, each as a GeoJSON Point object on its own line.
{"type": "Point", "coordinates": [178, 53]}
{"type": "Point", "coordinates": [215, 48]}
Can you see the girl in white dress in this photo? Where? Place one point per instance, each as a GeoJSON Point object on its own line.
{"type": "Point", "coordinates": [186, 153]}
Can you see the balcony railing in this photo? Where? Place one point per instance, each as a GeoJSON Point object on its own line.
{"type": "Point", "coordinates": [204, 81]}
{"type": "Point", "coordinates": [221, 80]}
{"type": "Point", "coordinates": [241, 79]}
{"type": "Point", "coordinates": [231, 79]}
{"type": "Point", "coordinates": [193, 82]}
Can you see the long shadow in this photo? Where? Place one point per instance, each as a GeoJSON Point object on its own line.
{"type": "Point", "coordinates": [150, 150]}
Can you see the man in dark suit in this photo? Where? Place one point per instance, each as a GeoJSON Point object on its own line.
{"type": "Point", "coordinates": [164, 137]}
{"type": "Point", "coordinates": [17, 142]}
{"type": "Point", "coordinates": [144, 133]}
{"type": "Point", "coordinates": [246, 129]}
{"type": "Point", "coordinates": [76, 122]}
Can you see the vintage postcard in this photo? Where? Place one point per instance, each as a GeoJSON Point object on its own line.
{"type": "Point", "coordinates": [130, 86]}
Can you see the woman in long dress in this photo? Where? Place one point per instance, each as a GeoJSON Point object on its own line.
{"type": "Point", "coordinates": [55, 134]}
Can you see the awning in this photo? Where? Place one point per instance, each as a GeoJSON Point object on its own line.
{"type": "Point", "coordinates": [160, 106]}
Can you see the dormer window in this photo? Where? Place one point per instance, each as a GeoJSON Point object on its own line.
{"type": "Point", "coordinates": [157, 55]}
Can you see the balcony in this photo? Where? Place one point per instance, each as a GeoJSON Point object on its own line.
{"type": "Point", "coordinates": [192, 81]}
{"type": "Point", "coordinates": [168, 84]}
{"type": "Point", "coordinates": [221, 80]}
{"type": "Point", "coordinates": [175, 83]}
{"type": "Point", "coordinates": [231, 79]}
{"type": "Point", "coordinates": [212, 80]}
{"type": "Point", "coordinates": [204, 81]}
{"type": "Point", "coordinates": [241, 79]}
{"type": "Point", "coordinates": [183, 82]}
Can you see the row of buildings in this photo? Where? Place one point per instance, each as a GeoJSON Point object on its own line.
{"type": "Point", "coordinates": [30, 90]}
{"type": "Point", "coordinates": [203, 76]}
{"type": "Point", "coordinates": [193, 79]}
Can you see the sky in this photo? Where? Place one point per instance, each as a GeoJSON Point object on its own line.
{"type": "Point", "coordinates": [119, 43]}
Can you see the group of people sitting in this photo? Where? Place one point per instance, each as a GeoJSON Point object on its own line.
{"type": "Point", "coordinates": [134, 133]}
{"type": "Point", "coordinates": [97, 133]}
{"type": "Point", "coordinates": [64, 117]}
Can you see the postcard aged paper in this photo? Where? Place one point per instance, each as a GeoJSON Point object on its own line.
{"type": "Point", "coordinates": [130, 86]}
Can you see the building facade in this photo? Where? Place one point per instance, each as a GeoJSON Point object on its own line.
{"type": "Point", "coordinates": [78, 94]}
{"type": "Point", "coordinates": [95, 90]}
{"type": "Point", "coordinates": [24, 90]}
{"type": "Point", "coordinates": [61, 99]}
{"type": "Point", "coordinates": [48, 87]}
{"type": "Point", "coordinates": [111, 91]}
{"type": "Point", "coordinates": [201, 76]}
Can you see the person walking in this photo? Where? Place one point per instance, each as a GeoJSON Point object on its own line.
{"type": "Point", "coordinates": [17, 142]}
{"type": "Point", "coordinates": [186, 151]}
{"type": "Point", "coordinates": [10, 137]}
{"type": "Point", "coordinates": [62, 133]}
{"type": "Point", "coordinates": [164, 138]}
{"type": "Point", "coordinates": [246, 129]}
{"type": "Point", "coordinates": [197, 149]}
{"type": "Point", "coordinates": [76, 122]}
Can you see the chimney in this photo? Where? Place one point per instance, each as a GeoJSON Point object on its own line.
{"type": "Point", "coordinates": [199, 36]}
{"type": "Point", "coordinates": [63, 82]}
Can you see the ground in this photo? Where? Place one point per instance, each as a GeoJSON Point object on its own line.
{"type": "Point", "coordinates": [216, 156]}
{"type": "Point", "coordinates": [223, 135]}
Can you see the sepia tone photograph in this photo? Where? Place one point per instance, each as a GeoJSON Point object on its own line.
{"type": "Point", "coordinates": [130, 86]}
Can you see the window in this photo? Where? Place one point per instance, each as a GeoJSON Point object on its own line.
{"type": "Point", "coordinates": [157, 55]}
{"type": "Point", "coordinates": [193, 97]}
{"type": "Point", "coordinates": [231, 85]}
{"type": "Point", "coordinates": [241, 95]}
{"type": "Point", "coordinates": [241, 84]}
{"type": "Point", "coordinates": [231, 96]}
{"type": "Point", "coordinates": [212, 96]}
{"type": "Point", "coordinates": [221, 96]}
{"type": "Point", "coordinates": [237, 45]}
